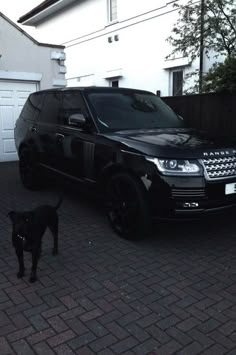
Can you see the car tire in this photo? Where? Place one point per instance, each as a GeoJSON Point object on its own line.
{"type": "Point", "coordinates": [29, 170]}
{"type": "Point", "coordinates": [127, 207]}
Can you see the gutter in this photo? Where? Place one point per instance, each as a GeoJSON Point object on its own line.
{"type": "Point", "coordinates": [38, 9]}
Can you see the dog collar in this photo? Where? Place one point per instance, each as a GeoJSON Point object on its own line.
{"type": "Point", "coordinates": [21, 237]}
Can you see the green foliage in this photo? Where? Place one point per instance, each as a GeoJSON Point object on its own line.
{"type": "Point", "coordinates": [219, 30]}
{"type": "Point", "coordinates": [221, 77]}
{"type": "Point", "coordinates": [213, 25]}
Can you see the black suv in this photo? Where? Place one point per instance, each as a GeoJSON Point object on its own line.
{"type": "Point", "coordinates": [132, 146]}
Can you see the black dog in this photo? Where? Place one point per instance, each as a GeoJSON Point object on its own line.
{"type": "Point", "coordinates": [27, 233]}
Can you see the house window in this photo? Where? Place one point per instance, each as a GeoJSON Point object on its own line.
{"type": "Point", "coordinates": [177, 83]}
{"type": "Point", "coordinates": [112, 10]}
{"type": "Point", "coordinates": [114, 83]}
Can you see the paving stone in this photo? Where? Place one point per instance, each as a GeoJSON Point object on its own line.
{"type": "Point", "coordinates": [193, 349]}
{"type": "Point", "coordinates": [104, 305]}
{"type": "Point", "coordinates": [77, 326]}
{"type": "Point", "coordinates": [57, 324]}
{"type": "Point", "coordinates": [42, 349]}
{"type": "Point", "coordinates": [228, 328]}
{"type": "Point", "coordinates": [225, 341]}
{"type": "Point", "coordinates": [4, 319]}
{"type": "Point", "coordinates": [73, 313]}
{"type": "Point", "coordinates": [54, 311]}
{"type": "Point", "coordinates": [38, 322]}
{"type": "Point", "coordinates": [216, 349]}
{"type": "Point", "coordinates": [97, 328]}
{"type": "Point", "coordinates": [172, 347]}
{"type": "Point", "coordinates": [40, 336]}
{"type": "Point", "coordinates": [21, 347]}
{"type": "Point", "coordinates": [188, 324]}
{"type": "Point", "coordinates": [36, 310]}
{"type": "Point", "coordinates": [160, 335]}
{"type": "Point", "coordinates": [124, 345]}
{"type": "Point", "coordinates": [82, 340]}
{"type": "Point", "coordinates": [204, 339]}
{"type": "Point", "coordinates": [64, 349]}
{"type": "Point", "coordinates": [174, 294]}
{"type": "Point", "coordinates": [63, 337]}
{"type": "Point", "coordinates": [180, 336]}
{"type": "Point", "coordinates": [5, 348]}
{"type": "Point", "coordinates": [22, 333]}
{"type": "Point", "coordinates": [168, 322]}
{"type": "Point", "coordinates": [102, 343]}
{"type": "Point", "coordinates": [95, 313]}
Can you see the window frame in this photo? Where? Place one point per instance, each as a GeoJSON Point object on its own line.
{"type": "Point", "coordinates": [114, 83]}
{"type": "Point", "coordinates": [84, 110]}
{"type": "Point", "coordinates": [111, 14]}
{"type": "Point", "coordinates": [46, 96]}
{"type": "Point", "coordinates": [36, 109]}
{"type": "Point", "coordinates": [172, 86]}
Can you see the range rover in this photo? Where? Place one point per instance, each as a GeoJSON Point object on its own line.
{"type": "Point", "coordinates": [132, 147]}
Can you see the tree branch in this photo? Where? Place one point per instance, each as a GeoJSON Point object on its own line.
{"type": "Point", "coordinates": [228, 19]}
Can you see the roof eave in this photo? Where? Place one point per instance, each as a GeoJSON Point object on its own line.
{"type": "Point", "coordinates": [40, 12]}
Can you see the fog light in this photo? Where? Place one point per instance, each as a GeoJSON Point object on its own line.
{"type": "Point", "coordinates": [190, 204]}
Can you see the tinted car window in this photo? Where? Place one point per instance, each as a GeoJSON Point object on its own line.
{"type": "Point", "coordinates": [52, 106]}
{"type": "Point", "coordinates": [72, 104]}
{"type": "Point", "coordinates": [33, 107]}
{"type": "Point", "coordinates": [129, 110]}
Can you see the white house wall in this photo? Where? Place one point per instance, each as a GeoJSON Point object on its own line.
{"type": "Point", "coordinates": [132, 8]}
{"type": "Point", "coordinates": [78, 19]}
{"type": "Point", "coordinates": [137, 58]}
{"type": "Point", "coordinates": [139, 53]}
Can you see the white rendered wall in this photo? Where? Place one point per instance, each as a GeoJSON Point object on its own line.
{"type": "Point", "coordinates": [138, 56]}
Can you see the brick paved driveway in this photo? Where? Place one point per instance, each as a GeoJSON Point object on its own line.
{"type": "Point", "coordinates": [171, 294]}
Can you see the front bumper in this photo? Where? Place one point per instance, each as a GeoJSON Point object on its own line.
{"type": "Point", "coordinates": [189, 197]}
{"type": "Point", "coordinates": [203, 209]}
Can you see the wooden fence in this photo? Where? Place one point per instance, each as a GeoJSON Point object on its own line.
{"type": "Point", "coordinates": [212, 112]}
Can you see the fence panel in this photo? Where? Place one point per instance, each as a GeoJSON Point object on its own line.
{"type": "Point", "coordinates": [212, 112]}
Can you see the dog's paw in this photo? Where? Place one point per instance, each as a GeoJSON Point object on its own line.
{"type": "Point", "coordinates": [20, 274]}
{"type": "Point", "coordinates": [32, 279]}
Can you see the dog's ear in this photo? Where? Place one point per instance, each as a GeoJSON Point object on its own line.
{"type": "Point", "coordinates": [12, 216]}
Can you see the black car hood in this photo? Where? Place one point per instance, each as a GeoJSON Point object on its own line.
{"type": "Point", "coordinates": [179, 142]}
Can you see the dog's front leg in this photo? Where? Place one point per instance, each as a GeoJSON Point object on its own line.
{"type": "Point", "coordinates": [54, 229]}
{"type": "Point", "coordinates": [35, 258]}
{"type": "Point", "coordinates": [55, 246]}
{"type": "Point", "coordinates": [20, 256]}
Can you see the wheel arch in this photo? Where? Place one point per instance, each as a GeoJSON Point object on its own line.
{"type": "Point", "coordinates": [143, 224]}
{"type": "Point", "coordinates": [28, 145]}
{"type": "Point", "coordinates": [112, 170]}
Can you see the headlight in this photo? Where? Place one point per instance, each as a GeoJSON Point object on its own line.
{"type": "Point", "coordinates": [177, 166]}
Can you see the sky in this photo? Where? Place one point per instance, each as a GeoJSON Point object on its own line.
{"type": "Point", "coordinates": [14, 9]}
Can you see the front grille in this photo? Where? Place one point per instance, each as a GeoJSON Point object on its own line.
{"type": "Point", "coordinates": [217, 168]}
{"type": "Point", "coordinates": [188, 193]}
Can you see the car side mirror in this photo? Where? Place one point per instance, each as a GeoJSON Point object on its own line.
{"type": "Point", "coordinates": [77, 119]}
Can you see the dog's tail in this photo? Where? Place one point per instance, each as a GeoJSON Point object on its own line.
{"type": "Point", "coordinates": [59, 203]}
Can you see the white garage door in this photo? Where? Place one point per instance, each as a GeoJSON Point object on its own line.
{"type": "Point", "coordinates": [12, 98]}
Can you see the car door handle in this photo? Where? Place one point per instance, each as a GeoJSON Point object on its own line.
{"type": "Point", "coordinates": [59, 136]}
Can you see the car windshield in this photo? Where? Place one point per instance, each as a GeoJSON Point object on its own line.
{"type": "Point", "coordinates": [132, 110]}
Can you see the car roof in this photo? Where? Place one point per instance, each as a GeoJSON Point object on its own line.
{"type": "Point", "coordinates": [94, 89]}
